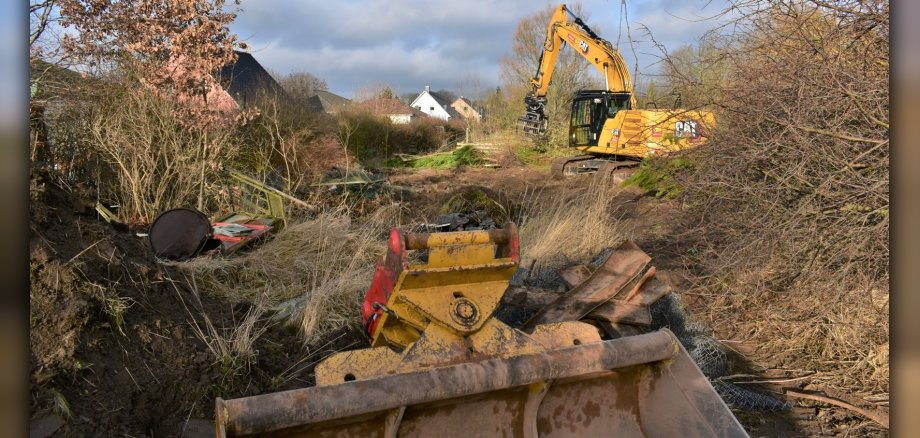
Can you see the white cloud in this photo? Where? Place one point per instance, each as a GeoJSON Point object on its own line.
{"type": "Point", "coordinates": [412, 43]}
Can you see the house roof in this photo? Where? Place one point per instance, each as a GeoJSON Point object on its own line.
{"type": "Point", "coordinates": [465, 107]}
{"type": "Point", "coordinates": [445, 100]}
{"type": "Point", "coordinates": [246, 80]}
{"type": "Point", "coordinates": [383, 106]}
{"type": "Point", "coordinates": [328, 102]}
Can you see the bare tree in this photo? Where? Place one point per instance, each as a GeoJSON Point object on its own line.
{"type": "Point", "coordinates": [301, 85]}
{"type": "Point", "coordinates": [40, 18]}
{"type": "Point", "coordinates": [472, 86]}
{"type": "Point", "coordinates": [374, 91]}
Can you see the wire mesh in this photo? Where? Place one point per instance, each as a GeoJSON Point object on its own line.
{"type": "Point", "coordinates": [710, 357]}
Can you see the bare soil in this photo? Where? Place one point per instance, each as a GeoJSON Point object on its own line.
{"type": "Point", "coordinates": [149, 374]}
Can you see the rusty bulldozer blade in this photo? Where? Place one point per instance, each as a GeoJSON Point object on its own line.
{"type": "Point", "coordinates": [440, 365]}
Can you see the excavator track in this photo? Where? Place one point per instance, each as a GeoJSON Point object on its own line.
{"type": "Point", "coordinates": [569, 166]}
{"type": "Point", "coordinates": [603, 169]}
{"type": "Point", "coordinates": [615, 172]}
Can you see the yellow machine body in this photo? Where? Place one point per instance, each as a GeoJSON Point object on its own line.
{"type": "Point", "coordinates": [640, 134]}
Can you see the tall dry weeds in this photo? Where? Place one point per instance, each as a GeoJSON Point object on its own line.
{"type": "Point", "coordinates": [154, 161]}
{"type": "Point", "coordinates": [568, 229]}
{"type": "Point", "coordinates": [318, 268]}
{"type": "Point", "coordinates": [233, 347]}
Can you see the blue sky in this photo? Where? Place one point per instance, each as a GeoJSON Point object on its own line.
{"type": "Point", "coordinates": [412, 43]}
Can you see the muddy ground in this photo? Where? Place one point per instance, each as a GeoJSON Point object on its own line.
{"type": "Point", "coordinates": [114, 352]}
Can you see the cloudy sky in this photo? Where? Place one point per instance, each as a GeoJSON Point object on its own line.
{"type": "Point", "coordinates": [412, 43]}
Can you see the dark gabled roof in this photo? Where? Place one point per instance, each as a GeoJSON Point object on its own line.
{"type": "Point", "coordinates": [327, 102]}
{"type": "Point", "coordinates": [441, 97]}
{"type": "Point", "coordinates": [445, 100]}
{"type": "Point", "coordinates": [247, 81]}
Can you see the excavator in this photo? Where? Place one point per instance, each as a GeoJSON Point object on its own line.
{"type": "Point", "coordinates": [613, 135]}
{"type": "Point", "coordinates": [439, 361]}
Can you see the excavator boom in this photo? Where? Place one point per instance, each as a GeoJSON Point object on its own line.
{"type": "Point", "coordinates": [598, 51]}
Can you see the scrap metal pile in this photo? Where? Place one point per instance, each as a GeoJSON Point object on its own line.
{"type": "Point", "coordinates": [587, 363]}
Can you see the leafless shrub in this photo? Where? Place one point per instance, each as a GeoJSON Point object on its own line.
{"type": "Point", "coordinates": [793, 190]}
{"type": "Point", "coordinates": [155, 161]}
{"type": "Point", "coordinates": [289, 142]}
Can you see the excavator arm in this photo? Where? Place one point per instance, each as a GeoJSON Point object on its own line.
{"type": "Point", "coordinates": [598, 51]}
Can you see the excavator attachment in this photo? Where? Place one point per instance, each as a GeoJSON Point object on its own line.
{"type": "Point", "coordinates": [534, 121]}
{"type": "Point", "coordinates": [440, 365]}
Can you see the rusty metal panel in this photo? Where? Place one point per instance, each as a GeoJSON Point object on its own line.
{"type": "Point", "coordinates": [600, 407]}
{"type": "Point", "coordinates": [574, 275]}
{"type": "Point", "coordinates": [650, 292]}
{"type": "Point", "coordinates": [497, 414]}
{"type": "Point", "coordinates": [624, 265]}
{"type": "Point", "coordinates": [295, 408]}
{"type": "Point", "coordinates": [621, 312]}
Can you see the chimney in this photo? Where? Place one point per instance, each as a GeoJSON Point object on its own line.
{"type": "Point", "coordinates": [427, 89]}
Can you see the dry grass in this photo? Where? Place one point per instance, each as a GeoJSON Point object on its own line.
{"type": "Point", "coordinates": [844, 341]}
{"type": "Point", "coordinates": [232, 347]}
{"type": "Point", "coordinates": [571, 228]}
{"type": "Point", "coordinates": [319, 267]}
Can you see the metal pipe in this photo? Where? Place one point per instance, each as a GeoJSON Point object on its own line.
{"type": "Point", "coordinates": [429, 240]}
{"type": "Point", "coordinates": [606, 78]}
{"type": "Point", "coordinates": [282, 410]}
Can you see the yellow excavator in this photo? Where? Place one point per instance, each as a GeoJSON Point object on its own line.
{"type": "Point", "coordinates": [606, 125]}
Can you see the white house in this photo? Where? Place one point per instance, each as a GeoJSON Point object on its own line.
{"type": "Point", "coordinates": [434, 104]}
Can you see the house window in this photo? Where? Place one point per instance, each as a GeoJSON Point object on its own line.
{"type": "Point", "coordinates": [431, 109]}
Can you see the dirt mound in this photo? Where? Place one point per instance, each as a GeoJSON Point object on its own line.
{"type": "Point", "coordinates": [114, 350]}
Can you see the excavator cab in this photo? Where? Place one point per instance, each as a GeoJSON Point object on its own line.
{"type": "Point", "coordinates": [590, 110]}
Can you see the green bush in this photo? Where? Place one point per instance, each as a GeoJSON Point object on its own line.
{"type": "Point", "coordinates": [463, 156]}
{"type": "Point", "coordinates": [657, 175]}
{"type": "Point", "coordinates": [374, 139]}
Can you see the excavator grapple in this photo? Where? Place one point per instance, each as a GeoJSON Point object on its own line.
{"type": "Point", "coordinates": [441, 365]}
